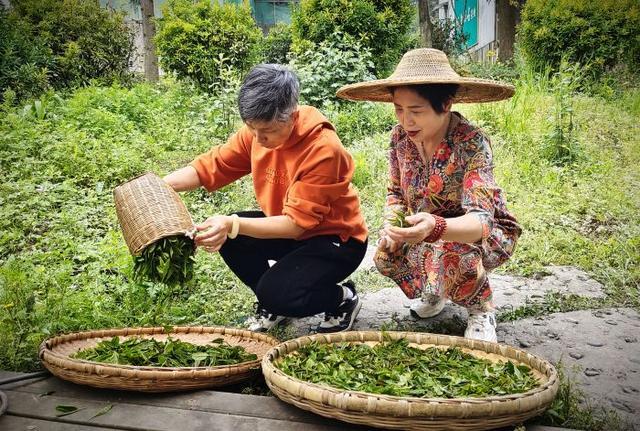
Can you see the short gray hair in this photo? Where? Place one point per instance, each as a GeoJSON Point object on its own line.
{"type": "Point", "coordinates": [269, 92]}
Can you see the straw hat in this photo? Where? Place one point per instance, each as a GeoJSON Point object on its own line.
{"type": "Point", "coordinates": [427, 66]}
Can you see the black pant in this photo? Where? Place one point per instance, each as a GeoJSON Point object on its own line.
{"type": "Point", "coordinates": [303, 281]}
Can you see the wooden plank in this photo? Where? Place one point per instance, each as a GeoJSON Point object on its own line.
{"type": "Point", "coordinates": [7, 374]}
{"type": "Point", "coordinates": [546, 428]}
{"type": "Point", "coordinates": [9, 423]}
{"type": "Point", "coordinates": [207, 401]}
{"type": "Point", "coordinates": [27, 379]}
{"type": "Point", "coordinates": [153, 418]}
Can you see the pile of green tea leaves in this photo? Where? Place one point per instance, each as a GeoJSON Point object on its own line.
{"type": "Point", "coordinates": [395, 368]}
{"type": "Point", "coordinates": [168, 260]}
{"type": "Point", "coordinates": [170, 353]}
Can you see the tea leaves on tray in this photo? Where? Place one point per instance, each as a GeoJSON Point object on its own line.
{"type": "Point", "coordinates": [170, 353]}
{"type": "Point", "coordinates": [395, 368]}
{"type": "Point", "coordinates": [168, 260]}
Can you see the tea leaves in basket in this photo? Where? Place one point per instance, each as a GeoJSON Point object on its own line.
{"type": "Point", "coordinates": [168, 260]}
{"type": "Point", "coordinates": [170, 353]}
{"type": "Point", "coordinates": [395, 368]}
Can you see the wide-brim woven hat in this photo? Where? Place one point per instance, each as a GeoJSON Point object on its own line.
{"type": "Point", "coordinates": [427, 66]}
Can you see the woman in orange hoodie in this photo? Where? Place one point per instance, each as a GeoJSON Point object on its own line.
{"type": "Point", "coordinates": [310, 221]}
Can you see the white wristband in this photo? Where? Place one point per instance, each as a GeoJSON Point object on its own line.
{"type": "Point", "coordinates": [235, 226]}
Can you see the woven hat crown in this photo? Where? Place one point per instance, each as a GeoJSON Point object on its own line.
{"type": "Point", "coordinates": [424, 63]}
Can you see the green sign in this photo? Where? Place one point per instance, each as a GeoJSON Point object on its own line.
{"type": "Point", "coordinates": [467, 14]}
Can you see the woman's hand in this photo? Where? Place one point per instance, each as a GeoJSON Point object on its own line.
{"type": "Point", "coordinates": [386, 244]}
{"type": "Point", "coordinates": [212, 233]}
{"type": "Point", "coordinates": [422, 225]}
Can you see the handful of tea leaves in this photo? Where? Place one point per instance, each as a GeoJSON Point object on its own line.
{"type": "Point", "coordinates": [170, 353]}
{"type": "Point", "coordinates": [398, 218]}
{"type": "Point", "coordinates": [395, 368]}
{"type": "Point", "coordinates": [168, 260]}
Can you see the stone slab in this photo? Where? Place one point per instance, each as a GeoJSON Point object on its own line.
{"type": "Point", "coordinates": [599, 348]}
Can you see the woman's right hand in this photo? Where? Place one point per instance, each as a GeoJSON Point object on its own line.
{"type": "Point", "coordinates": [386, 244]}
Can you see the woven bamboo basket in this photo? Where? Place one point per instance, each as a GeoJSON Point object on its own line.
{"type": "Point", "coordinates": [55, 355]}
{"type": "Point", "coordinates": [410, 413]}
{"type": "Point", "coordinates": [149, 209]}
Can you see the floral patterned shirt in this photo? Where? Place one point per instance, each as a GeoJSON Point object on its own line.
{"type": "Point", "coordinates": [458, 179]}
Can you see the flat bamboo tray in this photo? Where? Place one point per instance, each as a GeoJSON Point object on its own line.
{"type": "Point", "coordinates": [410, 413]}
{"type": "Point", "coordinates": [55, 355]}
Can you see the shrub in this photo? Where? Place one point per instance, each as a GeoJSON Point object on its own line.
{"type": "Point", "coordinates": [597, 35]}
{"type": "Point", "coordinates": [277, 44]}
{"type": "Point", "coordinates": [196, 40]}
{"type": "Point", "coordinates": [324, 68]}
{"type": "Point", "coordinates": [447, 36]}
{"type": "Point", "coordinates": [381, 26]}
{"type": "Point", "coordinates": [86, 41]}
{"type": "Point", "coordinates": [498, 71]}
{"type": "Point", "coordinates": [354, 121]}
{"type": "Point", "coordinates": [25, 59]}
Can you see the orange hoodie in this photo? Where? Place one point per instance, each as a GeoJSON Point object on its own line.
{"type": "Point", "coordinates": [308, 178]}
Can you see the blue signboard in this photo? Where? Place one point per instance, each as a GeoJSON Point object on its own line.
{"type": "Point", "coordinates": [467, 13]}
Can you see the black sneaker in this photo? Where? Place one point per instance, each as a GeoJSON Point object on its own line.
{"type": "Point", "coordinates": [342, 320]}
{"type": "Point", "coordinates": [263, 320]}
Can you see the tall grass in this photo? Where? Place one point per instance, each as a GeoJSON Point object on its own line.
{"type": "Point", "coordinates": [577, 204]}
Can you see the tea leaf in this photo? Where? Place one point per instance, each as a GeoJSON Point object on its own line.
{"type": "Point", "coordinates": [66, 410]}
{"type": "Point", "coordinates": [168, 261]}
{"type": "Point", "coordinates": [170, 353]}
{"type": "Point", "coordinates": [102, 411]}
{"type": "Point", "coordinates": [395, 368]}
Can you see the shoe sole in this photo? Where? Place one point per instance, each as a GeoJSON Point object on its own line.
{"type": "Point", "coordinates": [334, 330]}
{"type": "Point", "coordinates": [417, 316]}
{"type": "Point", "coordinates": [354, 316]}
{"type": "Point", "coordinates": [279, 321]}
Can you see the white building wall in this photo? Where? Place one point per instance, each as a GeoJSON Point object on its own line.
{"type": "Point", "coordinates": [486, 22]}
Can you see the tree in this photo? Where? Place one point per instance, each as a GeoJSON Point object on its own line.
{"type": "Point", "coordinates": [426, 27]}
{"type": "Point", "coordinates": [148, 35]}
{"type": "Point", "coordinates": [508, 16]}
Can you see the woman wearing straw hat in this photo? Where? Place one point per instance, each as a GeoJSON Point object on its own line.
{"type": "Point", "coordinates": [457, 226]}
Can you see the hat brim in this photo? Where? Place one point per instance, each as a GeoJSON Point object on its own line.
{"type": "Point", "coordinates": [470, 90]}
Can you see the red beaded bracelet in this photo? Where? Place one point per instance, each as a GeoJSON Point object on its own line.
{"type": "Point", "coordinates": [438, 230]}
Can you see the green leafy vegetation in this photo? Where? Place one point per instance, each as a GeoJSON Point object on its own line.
{"type": "Point", "coordinates": [327, 66]}
{"type": "Point", "coordinates": [170, 353]}
{"type": "Point", "coordinates": [61, 44]}
{"type": "Point", "coordinates": [381, 27]}
{"type": "Point", "coordinates": [197, 40]}
{"type": "Point", "coordinates": [599, 35]}
{"type": "Point", "coordinates": [276, 45]}
{"type": "Point", "coordinates": [396, 368]}
{"type": "Point", "coordinates": [168, 260]}
{"type": "Point", "coordinates": [64, 265]}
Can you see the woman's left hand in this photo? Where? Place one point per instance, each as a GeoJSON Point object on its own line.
{"type": "Point", "coordinates": [422, 225]}
{"type": "Point", "coordinates": [212, 233]}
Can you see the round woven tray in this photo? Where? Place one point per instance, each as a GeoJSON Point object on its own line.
{"type": "Point", "coordinates": [408, 413]}
{"type": "Point", "coordinates": [55, 355]}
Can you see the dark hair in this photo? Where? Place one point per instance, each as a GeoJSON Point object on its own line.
{"type": "Point", "coordinates": [269, 92]}
{"type": "Point", "coordinates": [436, 94]}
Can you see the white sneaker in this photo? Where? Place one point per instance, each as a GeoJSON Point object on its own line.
{"type": "Point", "coordinates": [481, 326]}
{"type": "Point", "coordinates": [263, 321]}
{"type": "Point", "coordinates": [428, 306]}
